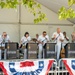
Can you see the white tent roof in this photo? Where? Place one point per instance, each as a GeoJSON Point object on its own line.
{"type": "Point", "coordinates": [55, 5]}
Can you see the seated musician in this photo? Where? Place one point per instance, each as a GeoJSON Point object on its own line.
{"type": "Point", "coordinates": [24, 41]}
{"type": "Point", "coordinates": [4, 38]}
{"type": "Point", "coordinates": [36, 38]}
{"type": "Point", "coordinates": [42, 40]}
{"type": "Point", "coordinates": [58, 38]}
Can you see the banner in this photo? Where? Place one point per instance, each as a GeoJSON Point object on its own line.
{"type": "Point", "coordinates": [70, 65]}
{"type": "Point", "coordinates": [27, 67]}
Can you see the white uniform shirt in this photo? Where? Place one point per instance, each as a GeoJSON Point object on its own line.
{"type": "Point", "coordinates": [25, 40]}
{"type": "Point", "coordinates": [43, 39]}
{"type": "Point", "coordinates": [6, 39]}
{"type": "Point", "coordinates": [65, 41]}
{"type": "Point", "coordinates": [73, 37]}
{"type": "Point", "coordinates": [58, 37]}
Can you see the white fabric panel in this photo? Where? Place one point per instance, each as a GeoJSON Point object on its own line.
{"type": "Point", "coordinates": [9, 15]}
{"type": "Point", "coordinates": [27, 17]}
{"type": "Point", "coordinates": [33, 29]}
{"type": "Point", "coordinates": [12, 31]}
{"type": "Point", "coordinates": [12, 16]}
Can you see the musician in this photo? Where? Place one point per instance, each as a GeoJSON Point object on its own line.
{"type": "Point", "coordinates": [73, 37]}
{"type": "Point", "coordinates": [64, 44]}
{"type": "Point", "coordinates": [42, 40]}
{"type": "Point", "coordinates": [4, 38]}
{"type": "Point", "coordinates": [58, 39]}
{"type": "Point", "coordinates": [66, 39]}
{"type": "Point", "coordinates": [37, 36]}
{"type": "Point", "coordinates": [24, 41]}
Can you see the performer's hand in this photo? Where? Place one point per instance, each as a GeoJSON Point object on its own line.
{"type": "Point", "coordinates": [65, 36]}
{"type": "Point", "coordinates": [20, 46]}
{"type": "Point", "coordinates": [54, 36]}
{"type": "Point", "coordinates": [61, 40]}
{"type": "Point", "coordinates": [41, 42]}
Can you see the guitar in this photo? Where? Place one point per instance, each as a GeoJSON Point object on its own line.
{"type": "Point", "coordinates": [62, 53]}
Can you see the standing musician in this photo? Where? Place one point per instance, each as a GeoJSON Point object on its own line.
{"type": "Point", "coordinates": [73, 37]}
{"type": "Point", "coordinates": [42, 40]}
{"type": "Point", "coordinates": [58, 39]}
{"type": "Point", "coordinates": [64, 44]}
{"type": "Point", "coordinates": [66, 39]}
{"type": "Point", "coordinates": [24, 42]}
{"type": "Point", "coordinates": [37, 36]}
{"type": "Point", "coordinates": [4, 38]}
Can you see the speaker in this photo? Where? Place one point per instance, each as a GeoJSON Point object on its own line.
{"type": "Point", "coordinates": [12, 50]}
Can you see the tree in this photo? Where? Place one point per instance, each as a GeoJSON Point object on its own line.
{"type": "Point", "coordinates": [65, 13]}
{"type": "Point", "coordinates": [33, 7]}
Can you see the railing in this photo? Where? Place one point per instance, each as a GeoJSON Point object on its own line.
{"type": "Point", "coordinates": [61, 68]}
{"type": "Point", "coordinates": [58, 69]}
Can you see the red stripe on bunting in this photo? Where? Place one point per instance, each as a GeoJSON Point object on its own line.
{"type": "Point", "coordinates": [3, 69]}
{"type": "Point", "coordinates": [26, 64]}
{"type": "Point", "coordinates": [49, 66]}
{"type": "Point", "coordinates": [68, 68]}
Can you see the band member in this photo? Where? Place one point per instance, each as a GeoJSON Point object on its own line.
{"type": "Point", "coordinates": [24, 40]}
{"type": "Point", "coordinates": [64, 44]}
{"type": "Point", "coordinates": [66, 39]}
{"type": "Point", "coordinates": [37, 36]}
{"type": "Point", "coordinates": [73, 37]}
{"type": "Point", "coordinates": [4, 38]}
{"type": "Point", "coordinates": [58, 39]}
{"type": "Point", "coordinates": [42, 40]}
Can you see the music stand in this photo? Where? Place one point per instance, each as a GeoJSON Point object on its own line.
{"type": "Point", "coordinates": [50, 48]}
{"type": "Point", "coordinates": [32, 50]}
{"type": "Point", "coordinates": [12, 50]}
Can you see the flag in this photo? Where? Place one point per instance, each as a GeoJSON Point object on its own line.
{"type": "Point", "coordinates": [70, 65]}
{"type": "Point", "coordinates": [27, 67]}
